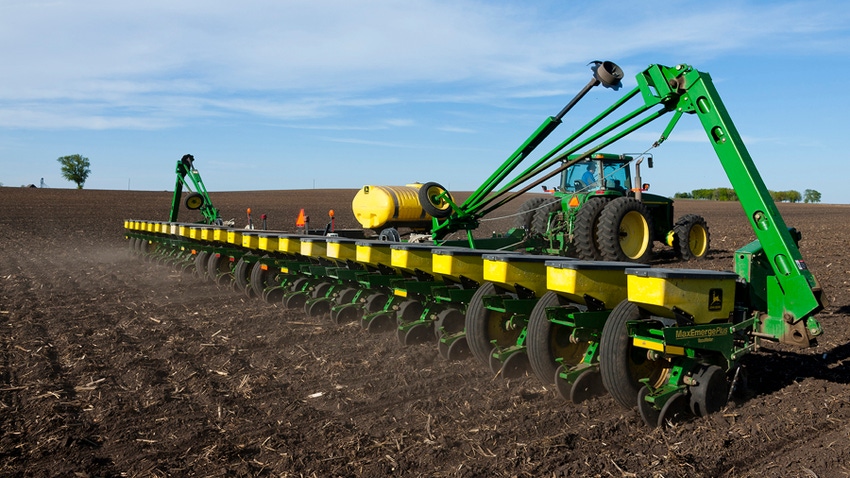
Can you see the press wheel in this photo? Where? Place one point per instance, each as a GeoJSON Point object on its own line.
{"type": "Point", "coordinates": [586, 386]}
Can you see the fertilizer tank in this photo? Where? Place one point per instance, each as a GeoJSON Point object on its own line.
{"type": "Point", "coordinates": [390, 206]}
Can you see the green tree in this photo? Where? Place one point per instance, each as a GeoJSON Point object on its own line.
{"type": "Point", "coordinates": [75, 168]}
{"type": "Point", "coordinates": [811, 196]}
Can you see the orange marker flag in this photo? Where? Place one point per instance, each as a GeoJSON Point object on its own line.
{"type": "Point", "coordinates": [301, 221]}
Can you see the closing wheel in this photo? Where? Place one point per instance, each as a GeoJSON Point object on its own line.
{"type": "Point", "coordinates": [711, 391]}
{"type": "Point", "coordinates": [623, 365]}
{"type": "Point", "coordinates": [547, 341]}
{"type": "Point", "coordinates": [201, 259]}
{"type": "Point", "coordinates": [376, 302]}
{"type": "Point", "coordinates": [418, 334]}
{"type": "Point", "coordinates": [586, 386]}
{"type": "Point", "coordinates": [274, 295]}
{"type": "Point", "coordinates": [458, 350]}
{"type": "Point", "coordinates": [585, 238]}
{"type": "Point", "coordinates": [484, 326]}
{"type": "Point", "coordinates": [449, 321]}
{"type": "Point", "coordinates": [346, 296]}
{"type": "Point", "coordinates": [624, 231]}
{"type": "Point", "coordinates": [381, 323]}
{"type": "Point", "coordinates": [691, 237]}
{"type": "Point", "coordinates": [438, 207]}
{"type": "Point", "coordinates": [345, 314]}
{"type": "Point", "coordinates": [194, 201]}
{"type": "Point", "coordinates": [647, 411]}
{"type": "Point", "coordinates": [674, 407]}
{"type": "Point", "coordinates": [298, 284]}
{"type": "Point", "coordinates": [317, 308]}
{"type": "Point", "coordinates": [409, 311]}
{"type": "Point", "coordinates": [525, 213]}
{"type": "Point", "coordinates": [320, 290]}
{"type": "Point", "coordinates": [561, 384]}
{"type": "Point", "coordinates": [295, 300]}
{"type": "Point", "coordinates": [515, 366]}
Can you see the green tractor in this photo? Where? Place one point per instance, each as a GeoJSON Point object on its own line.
{"type": "Point", "coordinates": [600, 213]}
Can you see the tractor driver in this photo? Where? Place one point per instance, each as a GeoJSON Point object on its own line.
{"type": "Point", "coordinates": [589, 176]}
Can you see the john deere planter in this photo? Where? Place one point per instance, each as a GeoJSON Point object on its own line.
{"type": "Point", "coordinates": [568, 294]}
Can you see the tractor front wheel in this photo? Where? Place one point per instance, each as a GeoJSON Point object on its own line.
{"type": "Point", "coordinates": [691, 237]}
{"type": "Point", "coordinates": [625, 231]}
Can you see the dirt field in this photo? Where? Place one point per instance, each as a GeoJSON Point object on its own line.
{"type": "Point", "coordinates": [114, 366]}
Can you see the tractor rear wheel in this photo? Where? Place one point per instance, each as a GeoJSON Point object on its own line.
{"type": "Point", "coordinates": [525, 213]}
{"type": "Point", "coordinates": [585, 239]}
{"type": "Point", "coordinates": [540, 222]}
{"type": "Point", "coordinates": [483, 326]}
{"type": "Point", "coordinates": [625, 231]}
{"type": "Point", "coordinates": [691, 237]}
{"type": "Point", "coordinates": [623, 365]}
{"type": "Point", "coordinates": [548, 342]}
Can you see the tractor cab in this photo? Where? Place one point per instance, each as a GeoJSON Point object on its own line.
{"type": "Point", "coordinates": [600, 171]}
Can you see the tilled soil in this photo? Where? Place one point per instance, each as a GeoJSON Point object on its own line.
{"type": "Point", "coordinates": [115, 366]}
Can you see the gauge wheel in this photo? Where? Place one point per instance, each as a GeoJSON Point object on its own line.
{"type": "Point", "coordinates": [483, 326]}
{"type": "Point", "coordinates": [548, 342]}
{"type": "Point", "coordinates": [623, 365]}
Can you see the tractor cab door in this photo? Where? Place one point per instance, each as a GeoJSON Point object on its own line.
{"type": "Point", "coordinates": [582, 176]}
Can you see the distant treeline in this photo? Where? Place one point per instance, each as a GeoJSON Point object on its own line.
{"type": "Point", "coordinates": [728, 194]}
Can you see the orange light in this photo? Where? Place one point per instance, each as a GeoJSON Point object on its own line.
{"type": "Point", "coordinates": [331, 213]}
{"type": "Point", "coordinates": [264, 267]}
{"type": "Point", "coordinates": [249, 211]}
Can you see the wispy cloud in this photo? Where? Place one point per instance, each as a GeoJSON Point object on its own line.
{"type": "Point", "coordinates": [105, 64]}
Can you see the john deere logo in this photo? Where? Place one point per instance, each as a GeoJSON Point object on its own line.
{"type": "Point", "coordinates": [715, 299]}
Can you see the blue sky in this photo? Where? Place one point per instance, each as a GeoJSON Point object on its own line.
{"type": "Point", "coordinates": [339, 94]}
